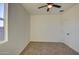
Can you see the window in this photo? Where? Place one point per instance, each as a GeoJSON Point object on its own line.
{"type": "Point", "coordinates": [3, 22]}
{"type": "Point", "coordinates": [1, 14]}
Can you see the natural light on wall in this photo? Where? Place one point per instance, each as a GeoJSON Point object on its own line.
{"type": "Point", "coordinates": [3, 23]}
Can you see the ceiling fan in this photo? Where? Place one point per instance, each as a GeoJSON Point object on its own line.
{"type": "Point", "coordinates": [49, 6]}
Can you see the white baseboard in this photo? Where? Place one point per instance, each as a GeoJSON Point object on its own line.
{"type": "Point", "coordinates": [43, 41]}
{"type": "Point", "coordinates": [71, 46]}
{"type": "Point", "coordinates": [23, 48]}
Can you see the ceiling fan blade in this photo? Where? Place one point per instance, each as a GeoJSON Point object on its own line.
{"type": "Point", "coordinates": [50, 3]}
{"type": "Point", "coordinates": [58, 6]}
{"type": "Point", "coordinates": [42, 6]}
{"type": "Point", "coordinates": [47, 9]}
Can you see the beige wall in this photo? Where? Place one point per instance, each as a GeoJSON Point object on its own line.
{"type": "Point", "coordinates": [19, 30]}
{"type": "Point", "coordinates": [46, 28]}
{"type": "Point", "coordinates": [71, 25]}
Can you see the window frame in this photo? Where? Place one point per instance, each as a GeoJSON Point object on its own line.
{"type": "Point", "coordinates": [5, 24]}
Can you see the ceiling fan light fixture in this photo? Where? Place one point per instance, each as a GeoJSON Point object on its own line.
{"type": "Point", "coordinates": [49, 6]}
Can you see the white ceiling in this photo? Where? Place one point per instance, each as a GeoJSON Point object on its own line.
{"type": "Point", "coordinates": [32, 8]}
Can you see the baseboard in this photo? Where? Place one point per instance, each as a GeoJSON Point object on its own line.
{"type": "Point", "coordinates": [45, 41]}
{"type": "Point", "coordinates": [71, 47]}
{"type": "Point", "coordinates": [23, 48]}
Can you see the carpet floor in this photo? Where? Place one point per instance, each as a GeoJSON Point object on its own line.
{"type": "Point", "coordinates": [48, 48]}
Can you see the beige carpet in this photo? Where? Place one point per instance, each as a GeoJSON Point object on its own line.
{"type": "Point", "coordinates": [48, 48]}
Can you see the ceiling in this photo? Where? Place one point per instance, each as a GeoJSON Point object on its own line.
{"type": "Point", "coordinates": [32, 8]}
